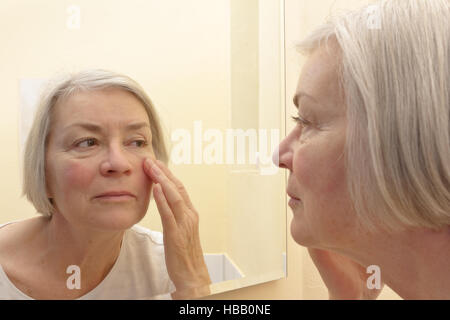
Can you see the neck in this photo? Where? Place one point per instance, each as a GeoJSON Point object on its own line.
{"type": "Point", "coordinates": [413, 263]}
{"type": "Point", "coordinates": [93, 251]}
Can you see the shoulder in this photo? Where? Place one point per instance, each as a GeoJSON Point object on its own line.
{"type": "Point", "coordinates": [15, 251]}
{"type": "Point", "coordinates": [7, 227]}
{"type": "Point", "coordinates": [14, 233]}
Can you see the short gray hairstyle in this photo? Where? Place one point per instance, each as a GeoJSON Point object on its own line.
{"type": "Point", "coordinates": [396, 82]}
{"type": "Point", "coordinates": [62, 87]}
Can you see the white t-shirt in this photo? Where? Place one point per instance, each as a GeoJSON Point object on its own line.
{"type": "Point", "coordinates": [139, 272]}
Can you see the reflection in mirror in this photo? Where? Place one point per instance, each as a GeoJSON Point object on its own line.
{"type": "Point", "coordinates": [214, 74]}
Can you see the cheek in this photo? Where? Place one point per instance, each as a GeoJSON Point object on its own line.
{"type": "Point", "coordinates": [321, 177]}
{"type": "Point", "coordinates": [75, 175]}
{"type": "Point", "coordinates": [141, 182]}
{"type": "Point", "coordinates": [319, 168]}
{"type": "Point", "coordinates": [145, 183]}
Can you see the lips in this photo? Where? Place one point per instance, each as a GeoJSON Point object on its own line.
{"type": "Point", "coordinates": [294, 202]}
{"type": "Point", "coordinates": [115, 194]}
{"type": "Point", "coordinates": [290, 194]}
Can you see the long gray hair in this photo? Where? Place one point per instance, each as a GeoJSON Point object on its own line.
{"type": "Point", "coordinates": [396, 80]}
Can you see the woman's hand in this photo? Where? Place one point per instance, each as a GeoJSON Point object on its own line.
{"type": "Point", "coordinates": [180, 221]}
{"type": "Point", "coordinates": [344, 278]}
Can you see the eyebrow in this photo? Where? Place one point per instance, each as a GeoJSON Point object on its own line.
{"type": "Point", "coordinates": [96, 128]}
{"type": "Point", "coordinates": [300, 94]}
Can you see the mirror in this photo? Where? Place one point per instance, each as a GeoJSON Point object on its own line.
{"type": "Point", "coordinates": [214, 70]}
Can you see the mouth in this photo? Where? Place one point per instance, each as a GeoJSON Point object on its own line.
{"type": "Point", "coordinates": [293, 201]}
{"type": "Point", "coordinates": [116, 196]}
{"type": "Point", "coordinates": [292, 196]}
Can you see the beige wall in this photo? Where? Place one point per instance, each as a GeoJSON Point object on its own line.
{"type": "Point", "coordinates": [255, 206]}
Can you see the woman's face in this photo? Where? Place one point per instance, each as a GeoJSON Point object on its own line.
{"type": "Point", "coordinates": [97, 144]}
{"type": "Point", "coordinates": [313, 152]}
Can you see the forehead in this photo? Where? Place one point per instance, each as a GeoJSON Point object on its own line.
{"type": "Point", "coordinates": [318, 80]}
{"type": "Point", "coordinates": [100, 106]}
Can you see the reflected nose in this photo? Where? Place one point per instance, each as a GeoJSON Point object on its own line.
{"type": "Point", "coordinates": [116, 161]}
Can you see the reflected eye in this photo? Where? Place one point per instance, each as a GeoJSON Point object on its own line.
{"type": "Point", "coordinates": [303, 122]}
{"type": "Point", "coordinates": [89, 142]}
{"type": "Point", "coordinates": [141, 143]}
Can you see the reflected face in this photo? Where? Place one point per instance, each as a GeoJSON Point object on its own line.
{"type": "Point", "coordinates": [313, 152]}
{"type": "Point", "coordinates": [97, 144]}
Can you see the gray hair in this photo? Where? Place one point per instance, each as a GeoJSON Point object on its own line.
{"type": "Point", "coordinates": [62, 87]}
{"type": "Point", "coordinates": [396, 82]}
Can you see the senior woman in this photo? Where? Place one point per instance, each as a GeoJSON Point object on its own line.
{"type": "Point", "coordinates": [369, 158]}
{"type": "Point", "coordinates": [94, 154]}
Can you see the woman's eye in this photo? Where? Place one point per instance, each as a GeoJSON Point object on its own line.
{"type": "Point", "coordinates": [141, 143]}
{"type": "Point", "coordinates": [299, 120]}
{"type": "Point", "coordinates": [89, 142]}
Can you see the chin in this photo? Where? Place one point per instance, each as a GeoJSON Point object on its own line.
{"type": "Point", "coordinates": [301, 234]}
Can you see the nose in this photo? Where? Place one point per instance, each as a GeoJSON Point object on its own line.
{"type": "Point", "coordinates": [116, 161]}
{"type": "Point", "coordinates": [282, 157]}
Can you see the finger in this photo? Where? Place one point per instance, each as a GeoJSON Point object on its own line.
{"type": "Point", "coordinates": [154, 172]}
{"type": "Point", "coordinates": [180, 208]}
{"type": "Point", "coordinates": [147, 167]}
{"type": "Point", "coordinates": [173, 197]}
{"type": "Point", "coordinates": [167, 218]}
{"type": "Point", "coordinates": [178, 184]}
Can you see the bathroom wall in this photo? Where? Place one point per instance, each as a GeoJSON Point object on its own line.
{"type": "Point", "coordinates": [255, 238]}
